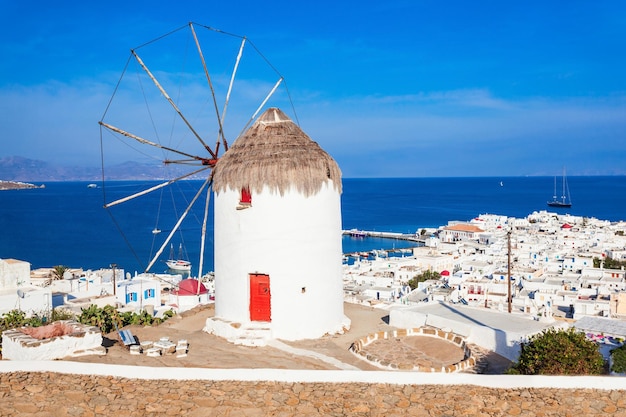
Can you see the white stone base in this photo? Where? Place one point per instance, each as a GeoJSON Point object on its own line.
{"type": "Point", "coordinates": [255, 333]}
{"type": "Point", "coordinates": [246, 334]}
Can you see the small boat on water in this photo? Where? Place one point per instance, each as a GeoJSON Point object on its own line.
{"type": "Point", "coordinates": [357, 233]}
{"type": "Point", "coordinates": [92, 185]}
{"type": "Point", "coordinates": [178, 264]}
{"type": "Point", "coordinates": [565, 200]}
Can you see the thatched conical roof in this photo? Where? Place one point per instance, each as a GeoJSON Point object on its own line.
{"type": "Point", "coordinates": [275, 153]}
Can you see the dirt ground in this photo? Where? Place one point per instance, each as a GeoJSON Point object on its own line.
{"type": "Point", "coordinates": [209, 351]}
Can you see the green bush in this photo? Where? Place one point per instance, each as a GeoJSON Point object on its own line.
{"type": "Point", "coordinates": [559, 352]}
{"type": "Point", "coordinates": [108, 317]}
{"type": "Point", "coordinates": [618, 356]}
{"type": "Point", "coordinates": [424, 276]}
{"type": "Point", "coordinates": [62, 314]}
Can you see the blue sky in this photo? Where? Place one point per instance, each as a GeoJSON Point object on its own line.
{"type": "Point", "coordinates": [389, 89]}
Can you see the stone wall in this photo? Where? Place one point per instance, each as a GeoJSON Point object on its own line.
{"type": "Point", "coordinates": [60, 394]}
{"type": "Point", "coordinates": [66, 388]}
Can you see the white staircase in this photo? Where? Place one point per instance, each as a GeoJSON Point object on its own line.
{"type": "Point", "coordinates": [253, 334]}
{"type": "Point", "coordinates": [256, 333]}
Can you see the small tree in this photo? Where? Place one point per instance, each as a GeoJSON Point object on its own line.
{"type": "Point", "coordinates": [424, 276]}
{"type": "Point", "coordinates": [559, 352]}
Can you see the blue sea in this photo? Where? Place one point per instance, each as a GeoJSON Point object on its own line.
{"type": "Point", "coordinates": [65, 222]}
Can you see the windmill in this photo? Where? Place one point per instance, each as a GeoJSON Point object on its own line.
{"type": "Point", "coordinates": [181, 99]}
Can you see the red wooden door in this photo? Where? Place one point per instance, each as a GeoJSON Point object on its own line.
{"type": "Point", "coordinates": [260, 297]}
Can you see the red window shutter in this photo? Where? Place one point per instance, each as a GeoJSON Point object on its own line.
{"type": "Point", "coordinates": [246, 197]}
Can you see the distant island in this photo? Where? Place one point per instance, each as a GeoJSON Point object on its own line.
{"type": "Point", "coordinates": [17, 185]}
{"type": "Point", "coordinates": [20, 169]}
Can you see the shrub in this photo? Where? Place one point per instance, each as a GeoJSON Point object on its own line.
{"type": "Point", "coordinates": [108, 317]}
{"type": "Point", "coordinates": [618, 357]}
{"type": "Point", "coordinates": [424, 276]}
{"type": "Point", "coordinates": [559, 352]}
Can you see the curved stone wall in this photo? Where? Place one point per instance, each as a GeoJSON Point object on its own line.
{"type": "Point", "coordinates": [359, 348]}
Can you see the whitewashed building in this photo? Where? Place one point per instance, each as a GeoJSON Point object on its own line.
{"type": "Point", "coordinates": [17, 292]}
{"type": "Point", "coordinates": [278, 254]}
{"type": "Point", "coordinates": [460, 232]}
{"type": "Point", "coordinates": [141, 292]}
{"type": "Point", "coordinates": [188, 294]}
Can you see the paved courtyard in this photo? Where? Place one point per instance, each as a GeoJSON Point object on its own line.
{"type": "Point", "coordinates": [327, 353]}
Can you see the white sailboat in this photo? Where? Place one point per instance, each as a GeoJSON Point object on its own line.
{"type": "Point", "coordinates": [178, 264]}
{"type": "Point", "coordinates": [565, 200]}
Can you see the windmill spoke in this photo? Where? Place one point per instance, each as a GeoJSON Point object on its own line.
{"type": "Point", "coordinates": [208, 77]}
{"type": "Point", "coordinates": [151, 189]}
{"type": "Point", "coordinates": [177, 225]}
{"type": "Point", "coordinates": [203, 234]}
{"type": "Point", "coordinates": [167, 97]}
{"type": "Point", "coordinates": [269, 95]}
{"type": "Point", "coordinates": [230, 88]}
{"type": "Point", "coordinates": [146, 141]}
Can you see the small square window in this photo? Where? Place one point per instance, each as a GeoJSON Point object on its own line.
{"type": "Point", "coordinates": [245, 200]}
{"type": "Point", "coordinates": [246, 197]}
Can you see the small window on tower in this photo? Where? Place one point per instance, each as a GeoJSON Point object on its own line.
{"type": "Point", "coordinates": [246, 199]}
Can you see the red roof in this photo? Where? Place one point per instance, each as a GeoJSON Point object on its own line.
{"type": "Point", "coordinates": [189, 286]}
{"type": "Point", "coordinates": [566, 226]}
{"type": "Point", "coordinates": [445, 273]}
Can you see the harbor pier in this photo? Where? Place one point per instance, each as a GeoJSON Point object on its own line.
{"type": "Point", "coordinates": [385, 235]}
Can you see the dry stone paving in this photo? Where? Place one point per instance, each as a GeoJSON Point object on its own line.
{"type": "Point", "coordinates": [423, 349]}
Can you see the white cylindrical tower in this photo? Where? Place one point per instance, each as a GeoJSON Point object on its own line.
{"type": "Point", "coordinates": [278, 233]}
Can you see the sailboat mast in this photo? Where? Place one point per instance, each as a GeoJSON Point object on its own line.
{"type": "Point", "coordinates": [563, 192]}
{"type": "Point", "coordinates": [565, 200]}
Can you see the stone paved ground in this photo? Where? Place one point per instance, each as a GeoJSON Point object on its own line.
{"type": "Point", "coordinates": [208, 351]}
{"type": "Point", "coordinates": [422, 351]}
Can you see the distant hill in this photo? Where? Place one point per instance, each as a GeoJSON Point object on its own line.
{"type": "Point", "coordinates": [17, 168]}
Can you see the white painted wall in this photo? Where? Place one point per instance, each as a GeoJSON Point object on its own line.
{"type": "Point", "coordinates": [296, 240]}
{"type": "Point", "coordinates": [34, 300]}
{"type": "Point", "coordinates": [139, 286]}
{"type": "Point", "coordinates": [14, 273]}
{"type": "Point", "coordinates": [17, 346]}
{"type": "Point", "coordinates": [187, 302]}
{"type": "Point", "coordinates": [446, 380]}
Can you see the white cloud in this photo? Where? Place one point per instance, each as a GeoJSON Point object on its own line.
{"type": "Point", "coordinates": [467, 128]}
{"type": "Point", "coordinates": [470, 124]}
